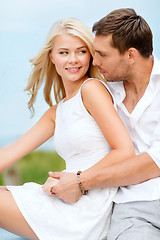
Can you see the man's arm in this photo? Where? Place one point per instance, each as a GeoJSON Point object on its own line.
{"type": "Point", "coordinates": [132, 171]}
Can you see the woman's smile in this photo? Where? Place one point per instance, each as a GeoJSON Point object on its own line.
{"type": "Point", "coordinates": [73, 69]}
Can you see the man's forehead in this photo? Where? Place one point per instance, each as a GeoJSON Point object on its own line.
{"type": "Point", "coordinates": [100, 43]}
{"type": "Point", "coordinates": [101, 39]}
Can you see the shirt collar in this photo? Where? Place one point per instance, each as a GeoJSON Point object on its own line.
{"type": "Point", "coordinates": [156, 67]}
{"type": "Point", "coordinates": [155, 76]}
{"type": "Point", "coordinates": [118, 90]}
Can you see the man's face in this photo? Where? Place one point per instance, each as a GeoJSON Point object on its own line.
{"type": "Point", "coordinates": [113, 65]}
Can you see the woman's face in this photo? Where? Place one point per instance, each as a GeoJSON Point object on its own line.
{"type": "Point", "coordinates": [71, 57]}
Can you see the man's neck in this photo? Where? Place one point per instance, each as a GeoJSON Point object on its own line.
{"type": "Point", "coordinates": [136, 88]}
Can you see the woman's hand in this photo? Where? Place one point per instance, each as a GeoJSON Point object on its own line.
{"type": "Point", "coordinates": [49, 185]}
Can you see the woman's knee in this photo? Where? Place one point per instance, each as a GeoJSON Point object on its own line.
{"type": "Point", "coordinates": [3, 188]}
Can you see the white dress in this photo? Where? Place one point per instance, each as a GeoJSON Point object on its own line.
{"type": "Point", "coordinates": [80, 142]}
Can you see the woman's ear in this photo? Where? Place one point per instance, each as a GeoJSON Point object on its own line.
{"type": "Point", "coordinates": [51, 58]}
{"type": "Point", "coordinates": [132, 55]}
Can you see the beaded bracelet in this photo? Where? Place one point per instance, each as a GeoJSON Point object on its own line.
{"type": "Point", "coordinates": [84, 192]}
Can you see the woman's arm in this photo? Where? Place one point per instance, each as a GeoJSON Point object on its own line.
{"type": "Point", "coordinates": [99, 104]}
{"type": "Point", "coordinates": [32, 139]}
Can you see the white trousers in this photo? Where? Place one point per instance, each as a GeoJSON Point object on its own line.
{"type": "Point", "coordinates": [135, 221]}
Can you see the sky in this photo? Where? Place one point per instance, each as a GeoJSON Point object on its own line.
{"type": "Point", "coordinates": [24, 25]}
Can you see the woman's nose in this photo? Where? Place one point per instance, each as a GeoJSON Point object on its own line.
{"type": "Point", "coordinates": [73, 58]}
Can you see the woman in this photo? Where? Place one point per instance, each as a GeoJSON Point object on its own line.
{"type": "Point", "coordinates": [86, 129]}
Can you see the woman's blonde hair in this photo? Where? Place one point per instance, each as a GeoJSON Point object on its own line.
{"type": "Point", "coordinates": [44, 69]}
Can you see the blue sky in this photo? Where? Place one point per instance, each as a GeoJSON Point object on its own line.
{"type": "Point", "coordinates": [24, 25]}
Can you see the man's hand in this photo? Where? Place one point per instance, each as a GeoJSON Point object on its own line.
{"type": "Point", "coordinates": [67, 187]}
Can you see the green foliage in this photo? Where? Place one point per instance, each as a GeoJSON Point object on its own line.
{"type": "Point", "coordinates": [35, 166]}
{"type": "Point", "coordinates": [1, 180]}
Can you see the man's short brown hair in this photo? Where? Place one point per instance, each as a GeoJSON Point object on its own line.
{"type": "Point", "coordinates": [128, 30]}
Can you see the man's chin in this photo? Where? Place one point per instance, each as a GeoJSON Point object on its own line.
{"type": "Point", "coordinates": [113, 80]}
{"type": "Point", "coordinates": [108, 79]}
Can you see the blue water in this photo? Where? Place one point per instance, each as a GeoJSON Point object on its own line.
{"type": "Point", "coordinates": [4, 235]}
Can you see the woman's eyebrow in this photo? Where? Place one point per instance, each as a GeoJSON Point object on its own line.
{"type": "Point", "coordinates": [68, 48]}
{"type": "Point", "coordinates": [82, 47]}
{"type": "Point", "coordinates": [62, 48]}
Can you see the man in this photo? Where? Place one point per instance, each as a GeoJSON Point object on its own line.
{"type": "Point", "coordinates": [123, 53]}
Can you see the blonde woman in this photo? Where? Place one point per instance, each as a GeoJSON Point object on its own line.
{"type": "Point", "coordinates": [86, 130]}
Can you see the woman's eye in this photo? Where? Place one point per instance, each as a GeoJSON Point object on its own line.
{"type": "Point", "coordinates": [82, 51]}
{"type": "Point", "coordinates": [63, 52]}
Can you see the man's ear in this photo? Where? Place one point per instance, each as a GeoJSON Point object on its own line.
{"type": "Point", "coordinates": [132, 55]}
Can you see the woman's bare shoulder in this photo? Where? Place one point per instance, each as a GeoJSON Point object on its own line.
{"type": "Point", "coordinates": [95, 88]}
{"type": "Point", "coordinates": [51, 112]}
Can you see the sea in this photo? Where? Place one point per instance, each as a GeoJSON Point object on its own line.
{"type": "Point", "coordinates": [4, 235]}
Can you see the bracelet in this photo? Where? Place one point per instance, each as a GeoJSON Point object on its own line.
{"type": "Point", "coordinates": [84, 192]}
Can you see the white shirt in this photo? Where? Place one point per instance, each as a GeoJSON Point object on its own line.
{"type": "Point", "coordinates": [143, 125]}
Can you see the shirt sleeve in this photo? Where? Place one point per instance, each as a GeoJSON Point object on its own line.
{"type": "Point", "coordinates": [154, 150]}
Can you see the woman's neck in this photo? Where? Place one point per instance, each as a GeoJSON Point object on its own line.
{"type": "Point", "coordinates": [71, 88]}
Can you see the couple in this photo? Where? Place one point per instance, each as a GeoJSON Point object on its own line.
{"type": "Point", "coordinates": [90, 136]}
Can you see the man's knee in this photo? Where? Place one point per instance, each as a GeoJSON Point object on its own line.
{"type": "Point", "coordinates": [134, 229]}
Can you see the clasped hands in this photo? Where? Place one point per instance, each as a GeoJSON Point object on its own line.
{"type": "Point", "coordinates": [64, 185]}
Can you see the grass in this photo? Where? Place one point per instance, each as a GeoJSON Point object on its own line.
{"type": "Point", "coordinates": [35, 166]}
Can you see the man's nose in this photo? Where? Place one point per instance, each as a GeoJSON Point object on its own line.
{"type": "Point", "coordinates": [96, 61]}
